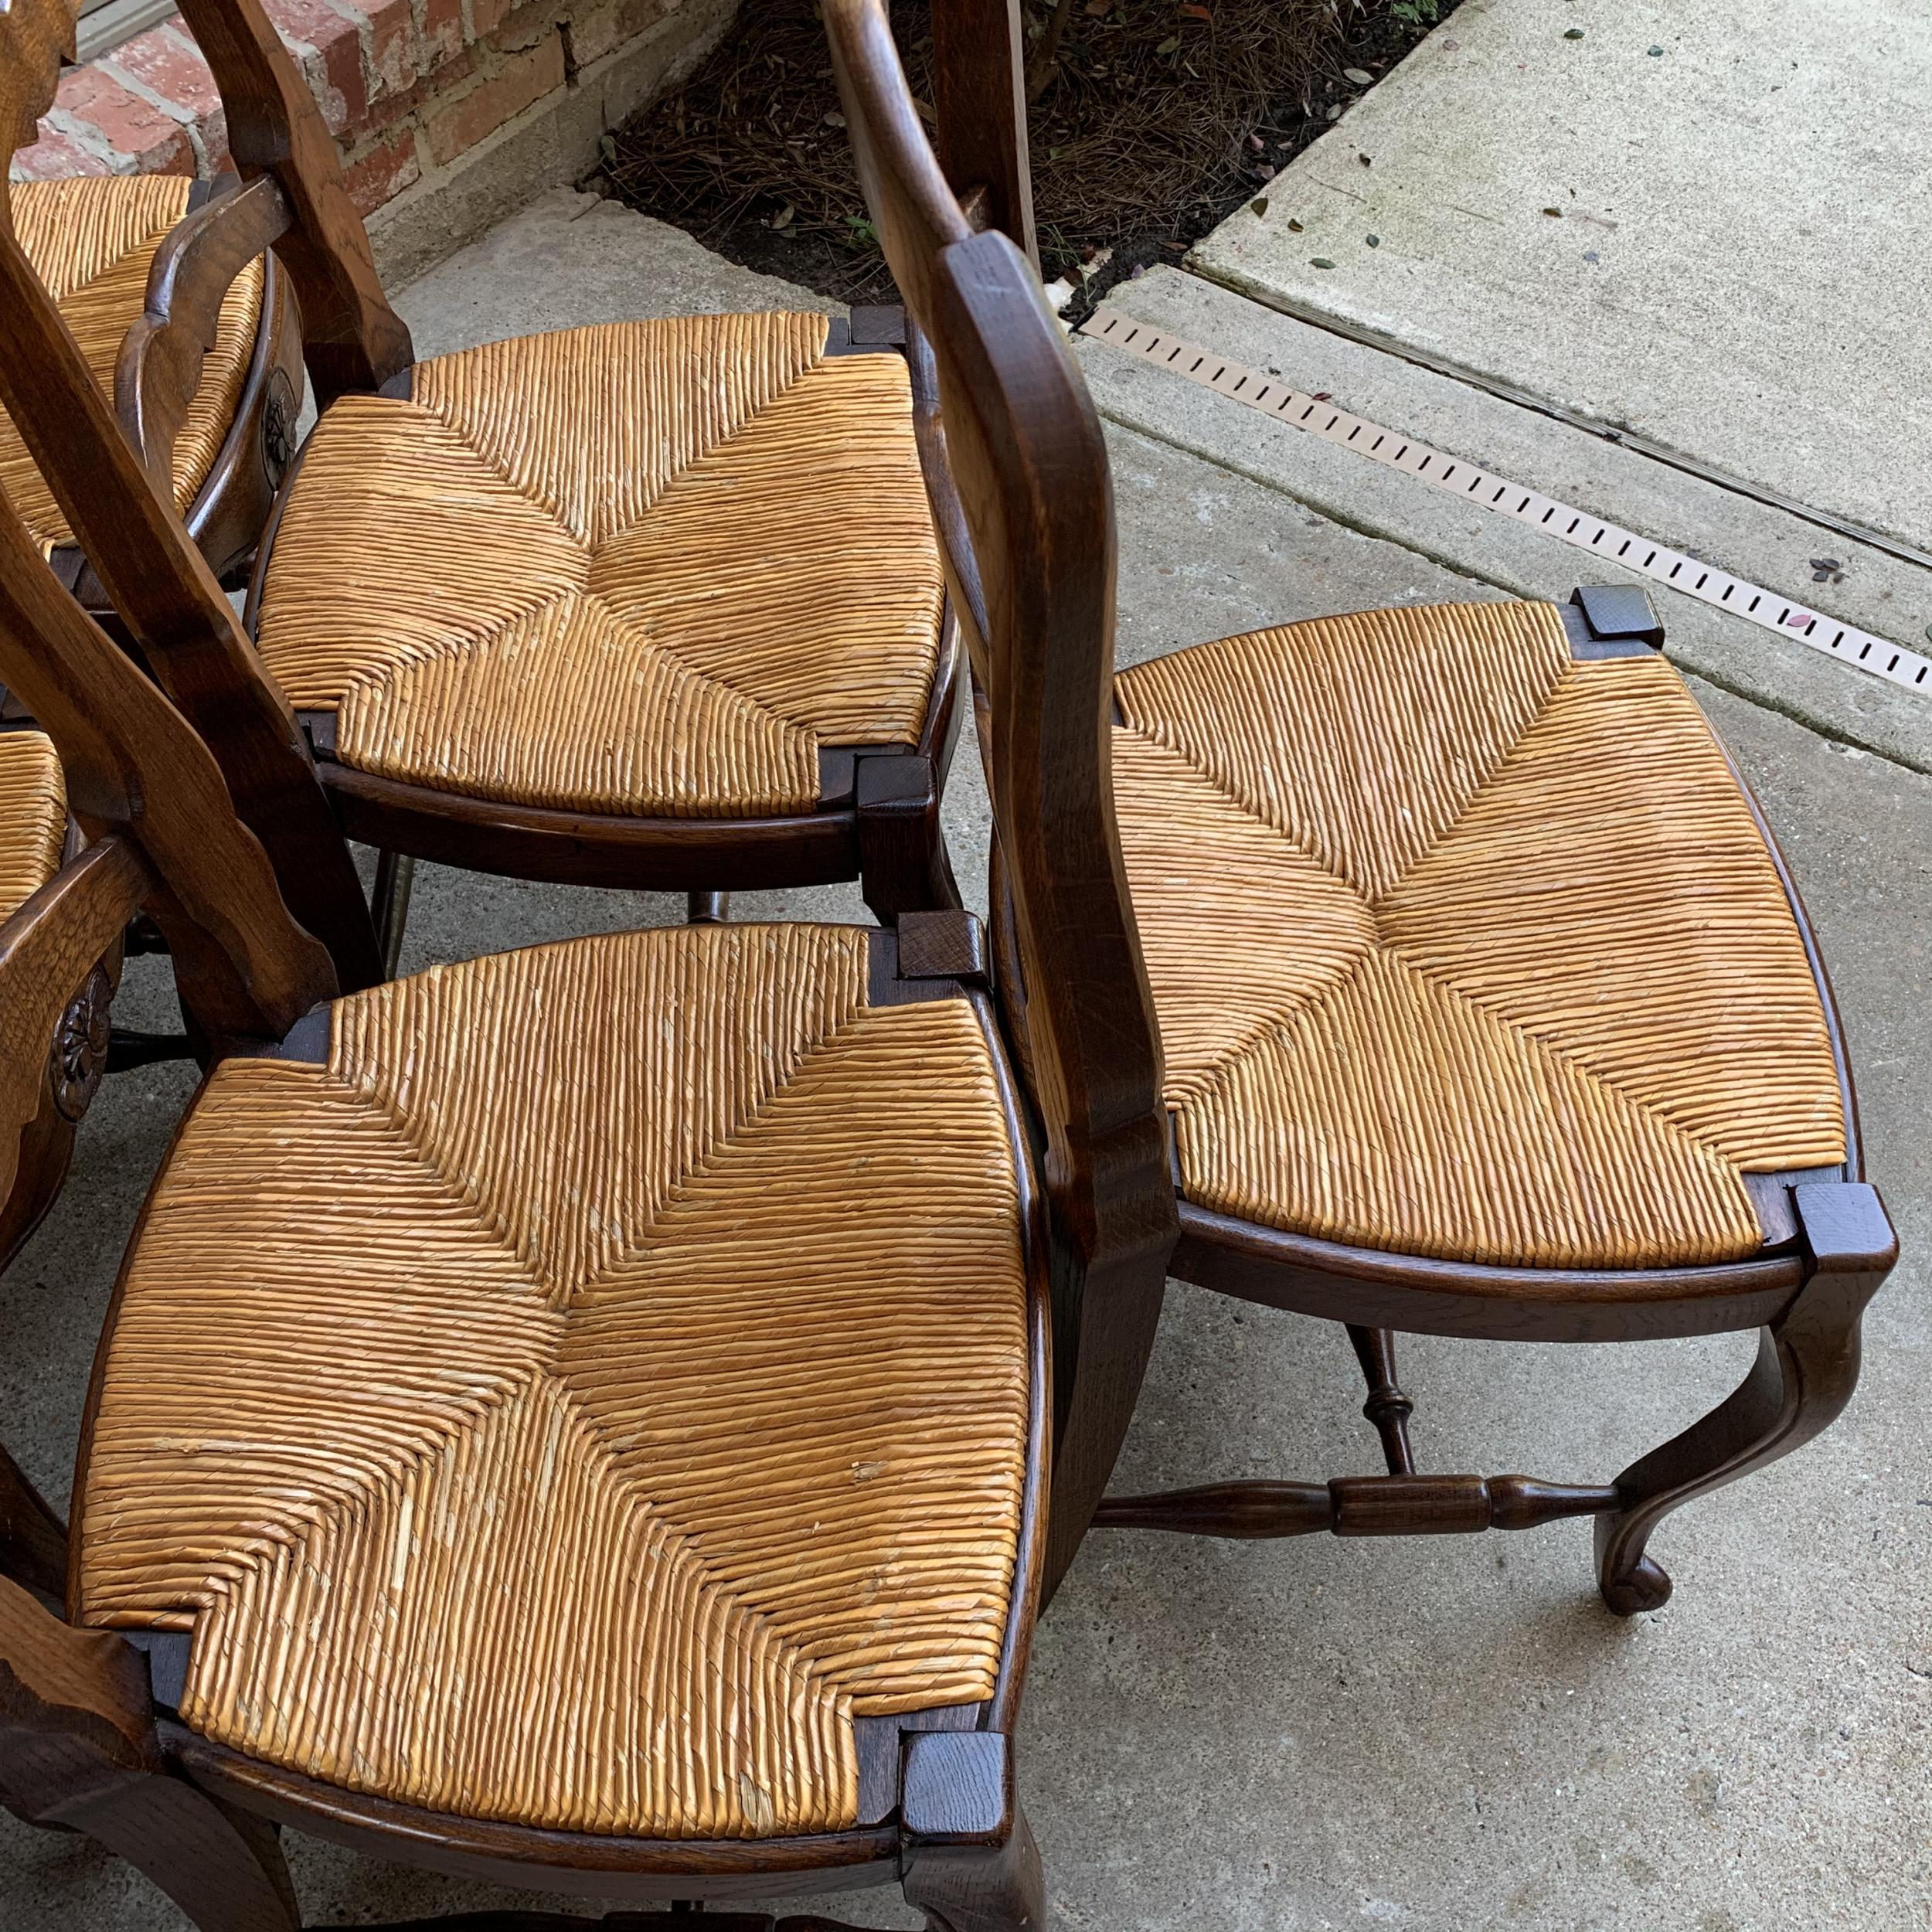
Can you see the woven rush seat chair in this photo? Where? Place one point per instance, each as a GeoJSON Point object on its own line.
{"type": "Point", "coordinates": [107, 246]}
{"type": "Point", "coordinates": [1489, 1009]}
{"type": "Point", "coordinates": [608, 573]}
{"type": "Point", "coordinates": [581, 1417]}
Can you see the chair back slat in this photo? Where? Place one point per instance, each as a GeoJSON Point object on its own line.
{"type": "Point", "coordinates": [979, 105]}
{"type": "Point", "coordinates": [1018, 469]}
{"type": "Point", "coordinates": [133, 767]}
{"type": "Point", "coordinates": [351, 339]}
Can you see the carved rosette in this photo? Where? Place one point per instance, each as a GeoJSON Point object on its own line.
{"type": "Point", "coordinates": [79, 1054]}
{"type": "Point", "coordinates": [279, 413]}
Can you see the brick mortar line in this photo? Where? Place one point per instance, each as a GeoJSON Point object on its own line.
{"type": "Point", "coordinates": [190, 122]}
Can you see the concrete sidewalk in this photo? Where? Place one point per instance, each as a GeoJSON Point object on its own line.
{"type": "Point", "coordinates": [1441, 1735]}
{"type": "Point", "coordinates": [1693, 231]}
{"type": "Point", "coordinates": [1699, 222]}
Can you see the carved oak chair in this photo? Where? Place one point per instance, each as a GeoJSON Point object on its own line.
{"type": "Point", "coordinates": [1490, 1009]}
{"type": "Point", "coordinates": [581, 1417]}
{"type": "Point", "coordinates": [1487, 1004]}
{"type": "Point", "coordinates": [655, 604]}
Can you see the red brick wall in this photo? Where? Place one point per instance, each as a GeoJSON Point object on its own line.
{"type": "Point", "coordinates": [406, 86]}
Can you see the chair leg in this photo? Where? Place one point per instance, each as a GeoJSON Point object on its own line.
{"type": "Point", "coordinates": [222, 1868]}
{"type": "Point", "coordinates": [33, 1539]}
{"type": "Point", "coordinates": [389, 905]}
{"type": "Point", "coordinates": [707, 909]}
{"type": "Point", "coordinates": [1387, 1410]}
{"type": "Point", "coordinates": [975, 1889]}
{"type": "Point", "coordinates": [1806, 1370]}
{"type": "Point", "coordinates": [967, 1859]}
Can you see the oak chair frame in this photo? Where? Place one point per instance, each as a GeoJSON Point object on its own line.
{"type": "Point", "coordinates": [86, 1736]}
{"type": "Point", "coordinates": [225, 519]}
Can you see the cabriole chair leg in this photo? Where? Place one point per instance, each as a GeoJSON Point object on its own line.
{"type": "Point", "coordinates": [1807, 1368]}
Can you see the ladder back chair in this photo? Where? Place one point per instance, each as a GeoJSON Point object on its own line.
{"type": "Point", "coordinates": [655, 604]}
{"type": "Point", "coordinates": [1488, 1009]}
{"type": "Point", "coordinates": [111, 250]}
{"type": "Point", "coordinates": [579, 1418]}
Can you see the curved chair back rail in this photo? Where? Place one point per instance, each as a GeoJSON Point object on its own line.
{"type": "Point", "coordinates": [114, 249]}
{"type": "Point", "coordinates": [161, 358]}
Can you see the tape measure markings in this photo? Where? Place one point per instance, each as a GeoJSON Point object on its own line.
{"type": "Point", "coordinates": [1676, 569]}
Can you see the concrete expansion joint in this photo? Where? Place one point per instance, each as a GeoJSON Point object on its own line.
{"type": "Point", "coordinates": [1623, 434]}
{"type": "Point", "coordinates": [1370, 533]}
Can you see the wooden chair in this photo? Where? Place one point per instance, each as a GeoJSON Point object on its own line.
{"type": "Point", "coordinates": [109, 250]}
{"type": "Point", "coordinates": [581, 1417]}
{"type": "Point", "coordinates": [653, 605]}
{"type": "Point", "coordinates": [1488, 1009]}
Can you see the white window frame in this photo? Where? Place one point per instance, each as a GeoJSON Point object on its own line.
{"type": "Point", "coordinates": [105, 24]}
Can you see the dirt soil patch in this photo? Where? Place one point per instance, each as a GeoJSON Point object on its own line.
{"type": "Point", "coordinates": [1153, 120]}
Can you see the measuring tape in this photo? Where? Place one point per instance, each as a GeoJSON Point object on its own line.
{"type": "Point", "coordinates": [1272, 397]}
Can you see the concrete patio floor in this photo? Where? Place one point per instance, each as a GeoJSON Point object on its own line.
{"type": "Point", "coordinates": [1702, 225]}
{"type": "Point", "coordinates": [1440, 1735]}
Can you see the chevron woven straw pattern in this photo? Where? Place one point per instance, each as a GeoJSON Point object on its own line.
{"type": "Point", "coordinates": [647, 568]}
{"type": "Point", "coordinates": [1464, 949]}
{"type": "Point", "coordinates": [92, 239]}
{"type": "Point", "coordinates": [33, 816]}
{"type": "Point", "coordinates": [584, 1397]}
